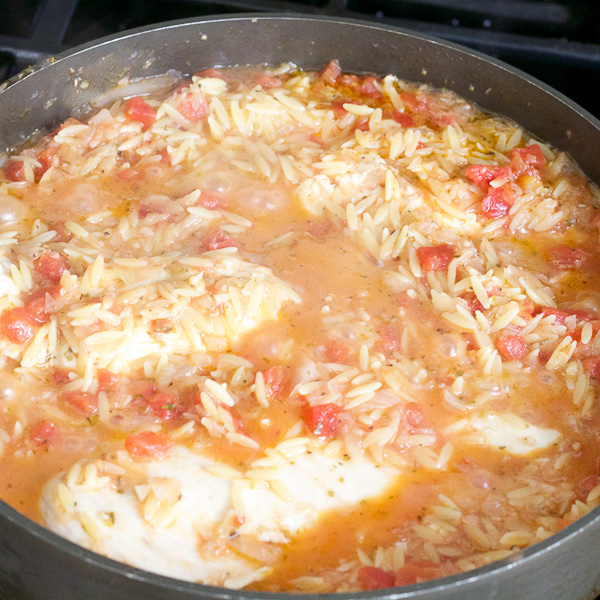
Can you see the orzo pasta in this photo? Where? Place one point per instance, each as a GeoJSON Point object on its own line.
{"type": "Point", "coordinates": [298, 331]}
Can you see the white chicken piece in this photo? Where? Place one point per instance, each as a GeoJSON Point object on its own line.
{"type": "Point", "coordinates": [191, 518]}
{"type": "Point", "coordinates": [509, 432]}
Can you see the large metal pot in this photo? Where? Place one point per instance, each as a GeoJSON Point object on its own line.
{"type": "Point", "coordinates": [34, 563]}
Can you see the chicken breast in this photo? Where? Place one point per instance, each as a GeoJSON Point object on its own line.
{"type": "Point", "coordinates": [193, 518]}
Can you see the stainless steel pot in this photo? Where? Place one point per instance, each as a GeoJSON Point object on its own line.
{"type": "Point", "coordinates": [34, 563]}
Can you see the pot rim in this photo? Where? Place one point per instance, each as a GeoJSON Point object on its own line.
{"type": "Point", "coordinates": [520, 558]}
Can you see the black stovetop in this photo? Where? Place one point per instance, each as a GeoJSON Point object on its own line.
{"type": "Point", "coordinates": [557, 41]}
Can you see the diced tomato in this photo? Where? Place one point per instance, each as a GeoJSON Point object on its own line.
{"type": "Point", "coordinates": [129, 174]}
{"type": "Point", "coordinates": [62, 233]}
{"type": "Point", "coordinates": [147, 444]}
{"type": "Point", "coordinates": [350, 80]}
{"type": "Point", "coordinates": [36, 304]}
{"type": "Point", "coordinates": [483, 174]}
{"type": "Point", "coordinates": [46, 158]}
{"type": "Point", "coordinates": [165, 406]}
{"type": "Point", "coordinates": [527, 310]}
{"type": "Point", "coordinates": [267, 82]}
{"type": "Point", "coordinates": [441, 118]}
{"type": "Point", "coordinates": [497, 202]}
{"type": "Point", "coordinates": [470, 341]}
{"type": "Point", "coordinates": [275, 380]}
{"type": "Point", "coordinates": [331, 72]}
{"type": "Point", "coordinates": [212, 200]}
{"type": "Point", "coordinates": [141, 389]}
{"type": "Point", "coordinates": [591, 365]}
{"type": "Point", "coordinates": [415, 572]}
{"type": "Point", "coordinates": [391, 338]}
{"type": "Point", "coordinates": [404, 119]}
{"type": "Point", "coordinates": [337, 106]}
{"type": "Point", "coordinates": [586, 486]}
{"type": "Point", "coordinates": [106, 380]}
{"type": "Point", "coordinates": [84, 402]}
{"type": "Point", "coordinates": [37, 310]}
{"type": "Point", "coordinates": [561, 315]}
{"type": "Point", "coordinates": [50, 265]}
{"type": "Point", "coordinates": [526, 160]}
{"type": "Point", "coordinates": [14, 170]}
{"type": "Point", "coordinates": [566, 257]}
{"type": "Point", "coordinates": [362, 124]}
{"type": "Point", "coordinates": [322, 419]}
{"type": "Point", "coordinates": [138, 110]}
{"type": "Point", "coordinates": [218, 239]}
{"type": "Point", "coordinates": [369, 87]}
{"type": "Point", "coordinates": [43, 433]}
{"type": "Point", "coordinates": [336, 351]}
{"type": "Point", "coordinates": [415, 415]}
{"type": "Point", "coordinates": [435, 258]}
{"type": "Point", "coordinates": [512, 347]}
{"type": "Point", "coordinates": [473, 302]}
{"type": "Point", "coordinates": [374, 578]}
{"type": "Point", "coordinates": [215, 73]}
{"type": "Point", "coordinates": [193, 106]}
{"type": "Point", "coordinates": [416, 103]}
{"type": "Point", "coordinates": [18, 325]}
{"type": "Point", "coordinates": [238, 422]}
{"type": "Point", "coordinates": [61, 376]}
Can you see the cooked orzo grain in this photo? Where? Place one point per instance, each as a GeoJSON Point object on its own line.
{"type": "Point", "coordinates": [298, 331]}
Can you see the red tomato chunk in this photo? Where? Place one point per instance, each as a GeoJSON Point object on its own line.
{"type": "Point", "coordinates": [84, 402]}
{"type": "Point", "coordinates": [435, 258]}
{"type": "Point", "coordinates": [106, 380]}
{"type": "Point", "coordinates": [336, 351]}
{"type": "Point", "coordinates": [217, 240]}
{"type": "Point", "coordinates": [561, 315]}
{"type": "Point", "coordinates": [61, 376]}
{"type": "Point", "coordinates": [138, 110]}
{"type": "Point", "coordinates": [526, 160]}
{"type": "Point", "coordinates": [46, 158]}
{"type": "Point", "coordinates": [391, 338]}
{"type": "Point", "coordinates": [14, 170]}
{"type": "Point", "coordinates": [43, 433]}
{"type": "Point", "coordinates": [50, 265]}
{"type": "Point", "coordinates": [37, 304]}
{"type": "Point", "coordinates": [331, 72]}
{"type": "Point", "coordinates": [193, 107]}
{"type": "Point", "coordinates": [497, 202]}
{"type": "Point", "coordinates": [18, 325]}
{"type": "Point", "coordinates": [275, 380]}
{"type": "Point", "coordinates": [512, 347]}
{"type": "Point", "coordinates": [212, 200]}
{"type": "Point", "coordinates": [483, 174]}
{"type": "Point", "coordinates": [374, 578]}
{"type": "Point", "coordinates": [591, 365]}
{"type": "Point", "coordinates": [147, 444]}
{"type": "Point", "coordinates": [165, 406]}
{"type": "Point", "coordinates": [267, 82]}
{"type": "Point", "coordinates": [566, 257]}
{"type": "Point", "coordinates": [586, 486]}
{"type": "Point", "coordinates": [402, 118]}
{"type": "Point", "coordinates": [322, 420]}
